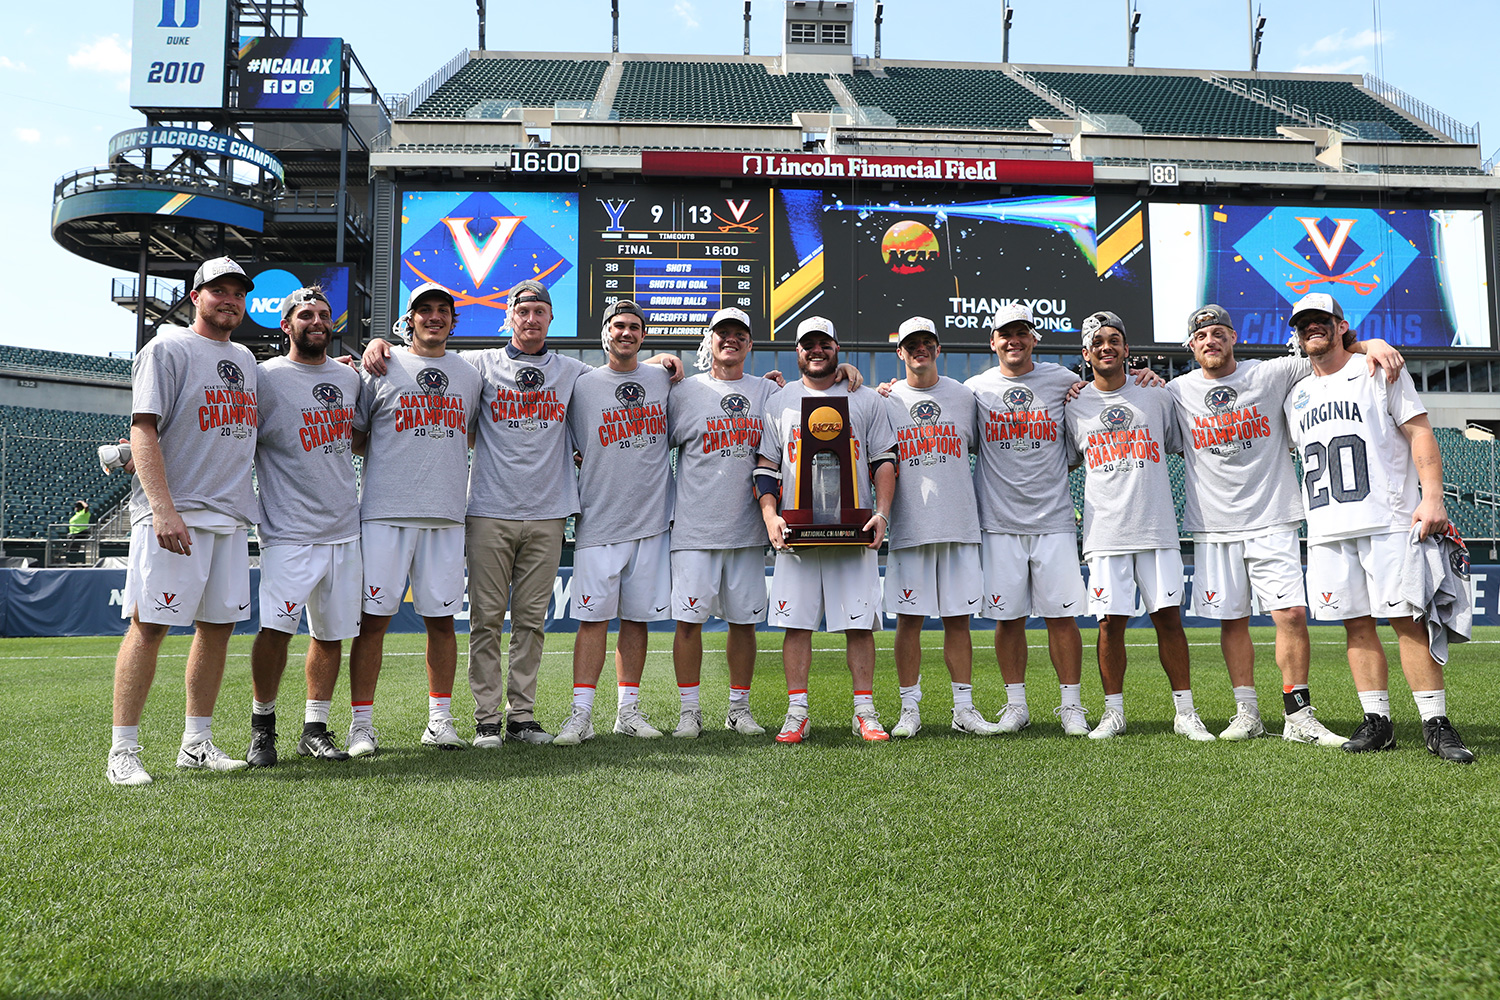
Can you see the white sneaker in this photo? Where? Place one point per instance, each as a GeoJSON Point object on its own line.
{"type": "Point", "coordinates": [969, 720]}
{"type": "Point", "coordinates": [1111, 724]}
{"type": "Point", "coordinates": [1074, 719]}
{"type": "Point", "coordinates": [1013, 718]}
{"type": "Point", "coordinates": [689, 725]}
{"type": "Point", "coordinates": [579, 727]}
{"type": "Point", "coordinates": [1304, 727]}
{"type": "Point", "coordinates": [204, 756]}
{"type": "Point", "coordinates": [1188, 724]}
{"type": "Point", "coordinates": [866, 725]}
{"type": "Point", "coordinates": [124, 767]}
{"type": "Point", "coordinates": [631, 722]}
{"type": "Point", "coordinates": [443, 735]}
{"type": "Point", "coordinates": [362, 740]}
{"type": "Point", "coordinates": [488, 736]}
{"type": "Point", "coordinates": [741, 721]}
{"type": "Point", "coordinates": [909, 724]}
{"type": "Point", "coordinates": [794, 727]}
{"type": "Point", "coordinates": [1245, 725]}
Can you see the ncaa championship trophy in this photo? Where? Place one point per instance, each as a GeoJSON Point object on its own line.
{"type": "Point", "coordinates": [826, 509]}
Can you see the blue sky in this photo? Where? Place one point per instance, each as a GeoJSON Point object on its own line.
{"type": "Point", "coordinates": [63, 72]}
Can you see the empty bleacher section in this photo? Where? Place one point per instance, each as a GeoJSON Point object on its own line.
{"type": "Point", "coordinates": [1168, 105]}
{"type": "Point", "coordinates": [49, 461]}
{"type": "Point", "coordinates": [26, 359]}
{"type": "Point", "coordinates": [531, 83]}
{"type": "Point", "coordinates": [1343, 102]}
{"type": "Point", "coordinates": [932, 97]}
{"type": "Point", "coordinates": [717, 92]}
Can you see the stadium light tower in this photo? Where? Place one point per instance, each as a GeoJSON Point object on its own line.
{"type": "Point", "coordinates": [1132, 25]}
{"type": "Point", "coordinates": [1005, 18]}
{"type": "Point", "coordinates": [747, 27]}
{"type": "Point", "coordinates": [614, 10]}
{"type": "Point", "coordinates": [1257, 32]}
{"type": "Point", "coordinates": [879, 20]}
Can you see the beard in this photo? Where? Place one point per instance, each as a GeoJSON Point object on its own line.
{"type": "Point", "coordinates": [305, 344]}
{"type": "Point", "coordinates": [827, 365]}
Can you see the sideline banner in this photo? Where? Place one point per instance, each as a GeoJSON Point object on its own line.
{"type": "Point", "coordinates": [36, 603]}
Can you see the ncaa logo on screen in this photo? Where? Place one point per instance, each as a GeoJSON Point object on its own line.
{"type": "Point", "coordinates": [271, 289]}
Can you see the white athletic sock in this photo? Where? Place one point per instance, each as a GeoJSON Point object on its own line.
{"type": "Point", "coordinates": [1431, 704]}
{"type": "Point", "coordinates": [124, 737]}
{"type": "Point", "coordinates": [361, 712]}
{"type": "Point", "coordinates": [797, 701]}
{"type": "Point", "coordinates": [1015, 694]}
{"type": "Point", "coordinates": [196, 729]}
{"type": "Point", "coordinates": [630, 696]}
{"type": "Point", "coordinates": [583, 696]}
{"type": "Point", "coordinates": [1072, 695]}
{"type": "Point", "coordinates": [1184, 701]}
{"type": "Point", "coordinates": [1115, 701]}
{"type": "Point", "coordinates": [689, 695]}
{"type": "Point", "coordinates": [1376, 702]}
{"type": "Point", "coordinates": [263, 707]}
{"type": "Point", "coordinates": [1246, 696]}
{"type": "Point", "coordinates": [963, 696]}
{"type": "Point", "coordinates": [739, 695]}
{"type": "Point", "coordinates": [316, 711]}
{"type": "Point", "coordinates": [911, 696]}
{"type": "Point", "coordinates": [439, 706]}
{"type": "Point", "coordinates": [863, 698]}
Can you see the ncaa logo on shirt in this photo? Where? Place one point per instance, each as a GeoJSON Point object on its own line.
{"type": "Point", "coordinates": [734, 405]}
{"type": "Point", "coordinates": [328, 394]}
{"type": "Point", "coordinates": [1117, 418]}
{"type": "Point", "coordinates": [432, 381]}
{"type": "Point", "coordinates": [1301, 401]}
{"type": "Point", "coordinates": [1018, 399]}
{"type": "Point", "coordinates": [230, 375]}
{"type": "Point", "coordinates": [1220, 399]}
{"type": "Point", "coordinates": [530, 379]}
{"type": "Point", "coordinates": [630, 394]}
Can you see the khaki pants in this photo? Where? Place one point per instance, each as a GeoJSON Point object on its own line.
{"type": "Point", "coordinates": [511, 564]}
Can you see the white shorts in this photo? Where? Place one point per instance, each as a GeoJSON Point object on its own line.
{"type": "Point", "coordinates": [935, 581]}
{"type": "Point", "coordinates": [210, 585]}
{"type": "Point", "coordinates": [840, 582]}
{"type": "Point", "coordinates": [1358, 577]}
{"type": "Point", "coordinates": [1226, 574]}
{"type": "Point", "coordinates": [1031, 575]}
{"type": "Point", "coordinates": [323, 578]}
{"type": "Point", "coordinates": [1115, 580]}
{"type": "Point", "coordinates": [722, 583]}
{"type": "Point", "coordinates": [432, 558]}
{"type": "Point", "coordinates": [627, 580]}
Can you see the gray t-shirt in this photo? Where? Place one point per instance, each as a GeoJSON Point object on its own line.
{"type": "Point", "coordinates": [1123, 439]}
{"type": "Point", "coordinates": [1021, 477]}
{"type": "Point", "coordinates": [870, 426]}
{"type": "Point", "coordinates": [717, 426]}
{"type": "Point", "coordinates": [303, 462]}
{"type": "Point", "coordinates": [418, 416]}
{"type": "Point", "coordinates": [935, 434]}
{"type": "Point", "coordinates": [203, 395]}
{"type": "Point", "coordinates": [523, 461]}
{"type": "Point", "coordinates": [618, 423]}
{"type": "Point", "coordinates": [1240, 480]}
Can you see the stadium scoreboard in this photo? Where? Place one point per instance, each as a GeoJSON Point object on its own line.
{"type": "Point", "coordinates": [681, 253]}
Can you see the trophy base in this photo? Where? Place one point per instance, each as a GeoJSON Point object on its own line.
{"type": "Point", "coordinates": [848, 530]}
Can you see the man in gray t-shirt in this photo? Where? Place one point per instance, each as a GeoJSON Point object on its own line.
{"type": "Point", "coordinates": [309, 526]}
{"type": "Point", "coordinates": [192, 438]}
{"type": "Point", "coordinates": [1122, 434]}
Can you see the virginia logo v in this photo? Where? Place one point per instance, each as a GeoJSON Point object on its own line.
{"type": "Point", "coordinates": [1327, 249]}
{"type": "Point", "coordinates": [480, 260]}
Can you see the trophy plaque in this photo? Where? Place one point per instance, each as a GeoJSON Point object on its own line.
{"type": "Point", "coordinates": [826, 509]}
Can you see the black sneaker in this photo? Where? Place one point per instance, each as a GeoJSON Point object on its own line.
{"type": "Point", "coordinates": [488, 735]}
{"type": "Point", "coordinates": [262, 752]}
{"type": "Point", "coordinates": [1375, 733]}
{"type": "Point", "coordinates": [527, 731]}
{"type": "Point", "coordinates": [318, 743]}
{"type": "Point", "coordinates": [1442, 741]}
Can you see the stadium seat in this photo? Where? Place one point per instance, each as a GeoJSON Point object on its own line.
{"type": "Point", "coordinates": [50, 460]}
{"type": "Point", "coordinates": [531, 83]}
{"type": "Point", "coordinates": [1168, 105]}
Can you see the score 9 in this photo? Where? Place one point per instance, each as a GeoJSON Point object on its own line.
{"type": "Point", "coordinates": [655, 213]}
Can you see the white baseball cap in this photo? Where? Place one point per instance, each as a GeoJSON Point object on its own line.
{"type": "Point", "coordinates": [1317, 302]}
{"type": "Point", "coordinates": [729, 314]}
{"type": "Point", "coordinates": [915, 325]}
{"type": "Point", "coordinates": [816, 324]}
{"type": "Point", "coordinates": [1016, 312]}
{"type": "Point", "coordinates": [217, 268]}
{"type": "Point", "coordinates": [426, 289]}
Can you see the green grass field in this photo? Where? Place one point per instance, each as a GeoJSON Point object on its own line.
{"type": "Point", "coordinates": [1027, 866]}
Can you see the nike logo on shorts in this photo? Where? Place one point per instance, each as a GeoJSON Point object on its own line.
{"type": "Point", "coordinates": [974, 601]}
{"type": "Point", "coordinates": [446, 603]}
{"type": "Point", "coordinates": [661, 609]}
{"type": "Point", "coordinates": [1069, 604]}
{"type": "Point", "coordinates": [1171, 593]}
{"type": "Point", "coordinates": [244, 606]}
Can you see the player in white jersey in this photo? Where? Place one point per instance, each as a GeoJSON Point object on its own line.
{"type": "Point", "coordinates": [309, 527]}
{"type": "Point", "coordinates": [192, 438]}
{"type": "Point", "coordinates": [1243, 512]}
{"type": "Point", "coordinates": [932, 570]}
{"type": "Point", "coordinates": [1122, 435]}
{"type": "Point", "coordinates": [414, 424]}
{"type": "Point", "coordinates": [621, 547]}
{"type": "Point", "coordinates": [839, 583]}
{"type": "Point", "coordinates": [1366, 449]}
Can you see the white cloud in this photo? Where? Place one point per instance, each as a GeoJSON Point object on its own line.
{"type": "Point", "coordinates": [1341, 42]}
{"type": "Point", "coordinates": [28, 134]}
{"type": "Point", "coordinates": [1357, 64]}
{"type": "Point", "coordinates": [684, 10]}
{"type": "Point", "coordinates": [7, 63]}
{"type": "Point", "coordinates": [104, 55]}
